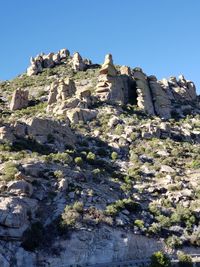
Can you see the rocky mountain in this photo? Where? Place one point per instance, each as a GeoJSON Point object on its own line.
{"type": "Point", "coordinates": [98, 164]}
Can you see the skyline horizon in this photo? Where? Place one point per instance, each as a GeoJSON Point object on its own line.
{"type": "Point", "coordinates": [160, 37]}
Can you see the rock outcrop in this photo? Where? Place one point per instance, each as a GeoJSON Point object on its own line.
{"type": "Point", "coordinates": [108, 66]}
{"type": "Point", "coordinates": [19, 99]}
{"type": "Point", "coordinates": [79, 114]}
{"type": "Point", "coordinates": [154, 97]}
{"type": "Point", "coordinates": [144, 97]}
{"type": "Point", "coordinates": [113, 89]}
{"type": "Point", "coordinates": [42, 129]}
{"type": "Point", "coordinates": [47, 61]}
{"type": "Point", "coordinates": [14, 216]}
{"type": "Point", "coordinates": [77, 62]}
{"type": "Point", "coordinates": [43, 61]}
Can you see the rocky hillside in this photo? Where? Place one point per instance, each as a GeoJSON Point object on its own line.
{"type": "Point", "coordinates": [98, 163]}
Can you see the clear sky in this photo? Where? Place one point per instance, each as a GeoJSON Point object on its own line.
{"type": "Point", "coordinates": [161, 36]}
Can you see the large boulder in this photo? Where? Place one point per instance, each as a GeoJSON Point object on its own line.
{"type": "Point", "coordinates": [108, 66]}
{"type": "Point", "coordinates": [47, 61]}
{"type": "Point", "coordinates": [59, 94]}
{"type": "Point", "coordinates": [20, 187]}
{"type": "Point", "coordinates": [41, 129]}
{"type": "Point", "coordinates": [6, 133]}
{"type": "Point", "coordinates": [19, 99]}
{"type": "Point", "coordinates": [36, 66]}
{"type": "Point", "coordinates": [77, 62]}
{"type": "Point", "coordinates": [14, 216]}
{"type": "Point", "coordinates": [79, 114]}
{"type": "Point", "coordinates": [66, 88]}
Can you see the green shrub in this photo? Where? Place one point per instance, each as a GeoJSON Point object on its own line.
{"type": "Point", "coordinates": [10, 169]}
{"type": "Point", "coordinates": [184, 260]}
{"type": "Point", "coordinates": [159, 259]}
{"type": "Point", "coordinates": [121, 204]}
{"type": "Point", "coordinates": [78, 161]}
{"type": "Point", "coordinates": [173, 241]}
{"type": "Point", "coordinates": [139, 224]}
{"type": "Point", "coordinates": [114, 155]}
{"type": "Point", "coordinates": [71, 215]}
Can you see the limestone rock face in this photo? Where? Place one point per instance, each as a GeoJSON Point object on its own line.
{"type": "Point", "coordinates": [108, 66]}
{"type": "Point", "coordinates": [112, 89]}
{"type": "Point", "coordinates": [19, 99]}
{"type": "Point", "coordinates": [77, 62]}
{"type": "Point", "coordinates": [109, 245]}
{"type": "Point", "coordinates": [161, 101]}
{"type": "Point", "coordinates": [40, 129]}
{"type": "Point", "coordinates": [144, 99]}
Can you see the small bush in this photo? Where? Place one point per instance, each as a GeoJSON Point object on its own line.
{"type": "Point", "coordinates": [78, 161]}
{"type": "Point", "coordinates": [72, 214]}
{"type": "Point", "coordinates": [114, 155]}
{"type": "Point", "coordinates": [184, 260]}
{"type": "Point", "coordinates": [159, 259]}
{"type": "Point", "coordinates": [139, 224]}
{"type": "Point", "coordinates": [10, 169]}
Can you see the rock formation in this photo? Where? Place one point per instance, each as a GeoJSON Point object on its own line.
{"type": "Point", "coordinates": [43, 61]}
{"type": "Point", "coordinates": [19, 99]}
{"type": "Point", "coordinates": [77, 62]}
{"type": "Point", "coordinates": [108, 67]}
{"type": "Point", "coordinates": [94, 164]}
{"type": "Point", "coordinates": [134, 86]}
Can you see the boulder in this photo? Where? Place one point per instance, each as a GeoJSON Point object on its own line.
{"type": "Point", "coordinates": [36, 66]}
{"type": "Point", "coordinates": [13, 213]}
{"type": "Point", "coordinates": [47, 61]}
{"type": "Point", "coordinates": [79, 114]}
{"type": "Point", "coordinates": [108, 66]}
{"type": "Point", "coordinates": [125, 70]}
{"type": "Point", "coordinates": [19, 99]}
{"type": "Point", "coordinates": [77, 62]}
{"type": "Point", "coordinates": [167, 169]}
{"type": "Point", "coordinates": [63, 54]}
{"type": "Point", "coordinates": [66, 88]}
{"type": "Point", "coordinates": [14, 216]}
{"type": "Point", "coordinates": [40, 129]}
{"type": "Point", "coordinates": [20, 187]}
{"type": "Point", "coordinates": [6, 133]}
{"type": "Point", "coordinates": [53, 93]}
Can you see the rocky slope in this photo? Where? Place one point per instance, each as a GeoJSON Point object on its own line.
{"type": "Point", "coordinates": [98, 163]}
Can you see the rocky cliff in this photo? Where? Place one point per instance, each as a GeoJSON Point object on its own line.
{"type": "Point", "coordinates": [98, 163]}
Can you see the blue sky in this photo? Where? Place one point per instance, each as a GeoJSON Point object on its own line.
{"type": "Point", "coordinates": [161, 36]}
